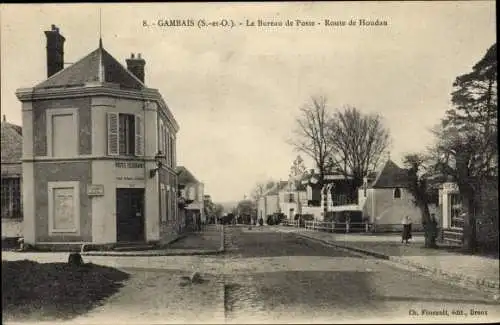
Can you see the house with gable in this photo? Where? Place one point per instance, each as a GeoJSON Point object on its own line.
{"type": "Point", "coordinates": [385, 199]}
{"type": "Point", "coordinates": [98, 145]}
{"type": "Point", "coordinates": [192, 190]}
{"type": "Point", "coordinates": [271, 201]}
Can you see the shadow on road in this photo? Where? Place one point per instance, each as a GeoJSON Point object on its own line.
{"type": "Point", "coordinates": [273, 244]}
{"type": "Point", "coordinates": [50, 291]}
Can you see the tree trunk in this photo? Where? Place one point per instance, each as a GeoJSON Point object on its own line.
{"type": "Point", "coordinates": [430, 231]}
{"type": "Point", "coordinates": [469, 230]}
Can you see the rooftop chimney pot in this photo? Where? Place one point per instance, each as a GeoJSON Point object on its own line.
{"type": "Point", "coordinates": [3, 118]}
{"type": "Point", "coordinates": [55, 51]}
{"type": "Point", "coordinates": [132, 56]}
{"type": "Point", "coordinates": [136, 66]}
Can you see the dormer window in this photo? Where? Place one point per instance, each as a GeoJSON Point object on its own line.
{"type": "Point", "coordinates": [397, 193]}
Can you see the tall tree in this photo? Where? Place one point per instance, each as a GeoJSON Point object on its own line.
{"type": "Point", "coordinates": [218, 210]}
{"type": "Point", "coordinates": [310, 135]}
{"type": "Point", "coordinates": [357, 143]}
{"type": "Point", "coordinates": [261, 188]}
{"type": "Point", "coordinates": [467, 146]}
{"type": "Point", "coordinates": [419, 188]}
{"type": "Point", "coordinates": [297, 172]}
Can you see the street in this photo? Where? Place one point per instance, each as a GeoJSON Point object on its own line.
{"type": "Point", "coordinates": [290, 279]}
{"type": "Point", "coordinates": [275, 277]}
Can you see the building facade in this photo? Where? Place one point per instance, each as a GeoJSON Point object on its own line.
{"type": "Point", "coordinates": [386, 199]}
{"type": "Point", "coordinates": [98, 152]}
{"type": "Point", "coordinates": [12, 142]}
{"type": "Point", "coordinates": [193, 191]}
{"type": "Point", "coordinates": [11, 198]}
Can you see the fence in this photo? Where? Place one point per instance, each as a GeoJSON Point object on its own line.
{"type": "Point", "coordinates": [330, 226]}
{"type": "Point", "coordinates": [486, 233]}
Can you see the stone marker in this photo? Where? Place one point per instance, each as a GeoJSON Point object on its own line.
{"type": "Point", "coordinates": [75, 259]}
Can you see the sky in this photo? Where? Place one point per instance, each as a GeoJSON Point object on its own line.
{"type": "Point", "coordinates": [236, 92]}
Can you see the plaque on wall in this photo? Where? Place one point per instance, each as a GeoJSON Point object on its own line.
{"type": "Point", "coordinates": [95, 190]}
{"type": "Point", "coordinates": [64, 208]}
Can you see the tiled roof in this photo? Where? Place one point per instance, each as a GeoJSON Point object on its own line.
{"type": "Point", "coordinates": [12, 143]}
{"type": "Point", "coordinates": [98, 66]}
{"type": "Point", "coordinates": [184, 176]}
{"type": "Point", "coordinates": [391, 175]}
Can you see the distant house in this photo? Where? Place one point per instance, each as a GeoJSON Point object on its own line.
{"type": "Point", "coordinates": [11, 194]}
{"type": "Point", "coordinates": [193, 191]}
{"type": "Point", "coordinates": [385, 200]}
{"type": "Point", "coordinates": [339, 195]}
{"type": "Point", "coordinates": [270, 202]}
{"type": "Point", "coordinates": [293, 198]}
{"type": "Point", "coordinates": [12, 147]}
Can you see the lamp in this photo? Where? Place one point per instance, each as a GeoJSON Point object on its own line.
{"type": "Point", "coordinates": [159, 163]}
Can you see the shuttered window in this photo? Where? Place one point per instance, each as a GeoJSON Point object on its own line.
{"type": "Point", "coordinates": [174, 162]}
{"type": "Point", "coordinates": [112, 133]}
{"type": "Point", "coordinates": [161, 136]}
{"type": "Point", "coordinates": [165, 141]}
{"type": "Point", "coordinates": [125, 134]}
{"type": "Point", "coordinates": [139, 136]}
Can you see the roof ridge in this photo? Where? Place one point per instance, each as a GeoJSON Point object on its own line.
{"type": "Point", "coordinates": [64, 69]}
{"type": "Point", "coordinates": [126, 69]}
{"type": "Point", "coordinates": [97, 66]}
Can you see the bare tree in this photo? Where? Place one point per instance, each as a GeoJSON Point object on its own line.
{"type": "Point", "coordinates": [261, 188]}
{"type": "Point", "coordinates": [311, 138]}
{"type": "Point", "coordinates": [310, 133]}
{"type": "Point", "coordinates": [357, 142]}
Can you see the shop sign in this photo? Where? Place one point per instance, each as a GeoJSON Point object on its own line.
{"type": "Point", "coordinates": [95, 190]}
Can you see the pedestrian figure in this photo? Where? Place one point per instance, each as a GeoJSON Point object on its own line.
{"type": "Point", "coordinates": [406, 229]}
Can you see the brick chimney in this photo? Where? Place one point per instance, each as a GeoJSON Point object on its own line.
{"type": "Point", "coordinates": [136, 66]}
{"type": "Point", "coordinates": [55, 51]}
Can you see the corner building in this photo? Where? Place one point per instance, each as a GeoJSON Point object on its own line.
{"type": "Point", "coordinates": [99, 153]}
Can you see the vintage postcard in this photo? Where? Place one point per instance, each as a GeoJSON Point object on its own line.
{"type": "Point", "coordinates": [250, 162]}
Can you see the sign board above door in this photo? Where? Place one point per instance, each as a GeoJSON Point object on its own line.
{"type": "Point", "coordinates": [95, 190]}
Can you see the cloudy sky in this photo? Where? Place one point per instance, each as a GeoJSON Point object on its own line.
{"type": "Point", "coordinates": [235, 92]}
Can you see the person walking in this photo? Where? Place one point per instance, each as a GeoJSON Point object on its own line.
{"type": "Point", "coordinates": [406, 229]}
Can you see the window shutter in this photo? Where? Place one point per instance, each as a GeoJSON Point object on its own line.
{"type": "Point", "coordinates": [169, 150]}
{"type": "Point", "coordinates": [139, 136]}
{"type": "Point", "coordinates": [160, 137]}
{"type": "Point", "coordinates": [165, 140]}
{"type": "Point", "coordinates": [174, 163]}
{"type": "Point", "coordinates": [112, 133]}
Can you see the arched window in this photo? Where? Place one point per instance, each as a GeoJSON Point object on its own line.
{"type": "Point", "coordinates": [397, 193]}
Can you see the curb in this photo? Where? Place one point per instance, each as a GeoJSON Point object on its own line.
{"type": "Point", "coordinates": [136, 254]}
{"type": "Point", "coordinates": [490, 286]}
{"type": "Point", "coordinates": [160, 253]}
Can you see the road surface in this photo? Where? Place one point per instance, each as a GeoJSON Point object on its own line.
{"type": "Point", "coordinates": [270, 277]}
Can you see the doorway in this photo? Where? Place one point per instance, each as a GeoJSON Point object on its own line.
{"type": "Point", "coordinates": [130, 215]}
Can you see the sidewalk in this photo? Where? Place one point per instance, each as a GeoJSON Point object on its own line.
{"type": "Point", "coordinates": [210, 241]}
{"type": "Point", "coordinates": [470, 270]}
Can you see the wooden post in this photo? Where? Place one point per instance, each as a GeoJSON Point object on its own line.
{"type": "Point", "coordinates": [347, 227]}
{"type": "Point", "coordinates": [366, 227]}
